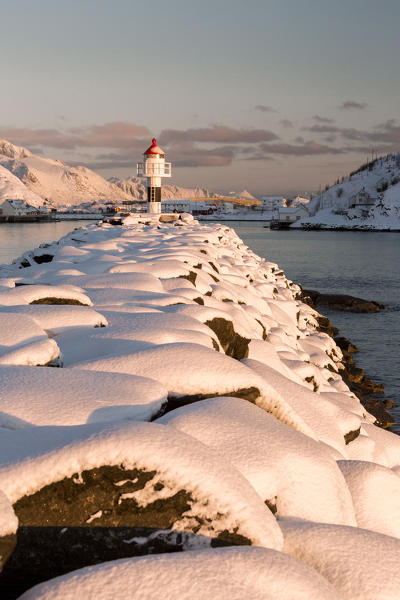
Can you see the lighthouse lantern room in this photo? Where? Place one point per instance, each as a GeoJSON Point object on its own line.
{"type": "Point", "coordinates": [154, 167]}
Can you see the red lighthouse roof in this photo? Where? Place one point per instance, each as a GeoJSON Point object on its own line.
{"type": "Point", "coordinates": [154, 149]}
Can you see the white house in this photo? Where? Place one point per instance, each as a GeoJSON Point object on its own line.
{"type": "Point", "coordinates": [362, 198]}
{"type": "Point", "coordinates": [270, 203]}
{"type": "Point", "coordinates": [18, 208]}
{"type": "Point", "coordinates": [225, 208]}
{"type": "Point", "coordinates": [292, 213]}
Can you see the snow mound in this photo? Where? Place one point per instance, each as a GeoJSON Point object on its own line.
{"type": "Point", "coordinates": [291, 472]}
{"type": "Point", "coordinates": [376, 495]}
{"type": "Point", "coordinates": [43, 294]}
{"type": "Point", "coordinates": [23, 342]}
{"type": "Point", "coordinates": [40, 396]}
{"type": "Point", "coordinates": [360, 564]}
{"type": "Point", "coordinates": [234, 573]}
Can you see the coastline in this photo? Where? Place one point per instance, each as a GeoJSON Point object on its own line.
{"type": "Point", "coordinates": [200, 403]}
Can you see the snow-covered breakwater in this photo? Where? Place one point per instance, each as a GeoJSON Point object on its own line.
{"type": "Point", "coordinates": [196, 405]}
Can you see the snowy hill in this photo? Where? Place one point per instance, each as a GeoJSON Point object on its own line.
{"type": "Point", "coordinates": [369, 198]}
{"type": "Point", "coordinates": [136, 187]}
{"type": "Point", "coordinates": [12, 188]}
{"type": "Point", "coordinates": [55, 180]}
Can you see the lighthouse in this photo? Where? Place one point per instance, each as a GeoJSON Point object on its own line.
{"type": "Point", "coordinates": [154, 167]}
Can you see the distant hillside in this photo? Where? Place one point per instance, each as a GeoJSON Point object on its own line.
{"type": "Point", "coordinates": [136, 187]}
{"type": "Point", "coordinates": [368, 198]}
{"type": "Point", "coordinates": [55, 180]}
{"type": "Point", "coordinates": [12, 188]}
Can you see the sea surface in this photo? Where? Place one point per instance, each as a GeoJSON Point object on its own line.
{"type": "Point", "coordinates": [17, 238]}
{"type": "Point", "coordinates": [363, 264]}
{"type": "Point", "coordinates": [357, 263]}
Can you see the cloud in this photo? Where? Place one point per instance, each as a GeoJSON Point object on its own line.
{"type": "Point", "coordinates": [217, 134]}
{"type": "Point", "coordinates": [286, 123]}
{"type": "Point", "coordinates": [305, 149]}
{"type": "Point", "coordinates": [352, 104]}
{"type": "Point", "coordinates": [323, 119]}
{"type": "Point", "coordinates": [325, 128]}
{"type": "Point", "coordinates": [110, 135]}
{"type": "Point", "coordinates": [264, 108]}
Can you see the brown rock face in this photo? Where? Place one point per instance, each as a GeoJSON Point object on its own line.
{"type": "Point", "coordinates": [103, 514]}
{"type": "Point", "coordinates": [232, 343]}
{"type": "Point", "coordinates": [342, 302]}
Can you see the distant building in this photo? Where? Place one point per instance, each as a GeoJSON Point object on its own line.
{"type": "Point", "coordinates": [292, 214]}
{"type": "Point", "coordinates": [270, 203]}
{"type": "Point", "coordinates": [176, 205]}
{"type": "Point", "coordinates": [362, 198]}
{"type": "Point", "coordinates": [18, 208]}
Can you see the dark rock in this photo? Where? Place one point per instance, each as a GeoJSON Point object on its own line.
{"type": "Point", "coordinates": [51, 300]}
{"type": "Point", "coordinates": [352, 435]}
{"type": "Point", "coordinates": [232, 343]}
{"type": "Point", "coordinates": [43, 258]}
{"type": "Point", "coordinates": [85, 520]}
{"type": "Point", "coordinates": [342, 302]}
{"type": "Point", "coordinates": [345, 345]}
{"type": "Point", "coordinates": [191, 277]}
{"type": "Point", "coordinates": [325, 326]}
{"type": "Point", "coordinates": [250, 394]}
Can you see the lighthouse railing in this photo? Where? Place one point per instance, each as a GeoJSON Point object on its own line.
{"type": "Point", "coordinates": [146, 169]}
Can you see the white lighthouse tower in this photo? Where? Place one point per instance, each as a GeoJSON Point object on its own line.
{"type": "Point", "coordinates": [154, 167]}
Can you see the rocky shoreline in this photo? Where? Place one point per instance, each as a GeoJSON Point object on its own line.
{"type": "Point", "coordinates": [370, 394]}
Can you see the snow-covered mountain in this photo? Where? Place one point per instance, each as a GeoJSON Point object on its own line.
{"type": "Point", "coordinates": [11, 188]}
{"type": "Point", "coordinates": [369, 198]}
{"type": "Point", "coordinates": [64, 185]}
{"type": "Point", "coordinates": [136, 187]}
{"type": "Point", "coordinates": [56, 181]}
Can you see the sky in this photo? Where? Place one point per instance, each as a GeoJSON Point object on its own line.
{"type": "Point", "coordinates": [275, 96]}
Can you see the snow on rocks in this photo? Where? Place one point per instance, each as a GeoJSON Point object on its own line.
{"type": "Point", "coordinates": [234, 573]}
{"type": "Point", "coordinates": [55, 318]}
{"type": "Point", "coordinates": [294, 475]}
{"type": "Point", "coordinates": [360, 564]}
{"type": "Point", "coordinates": [23, 342]}
{"type": "Point", "coordinates": [43, 294]}
{"type": "Point", "coordinates": [33, 396]}
{"type": "Point", "coordinates": [163, 316]}
{"type": "Point", "coordinates": [376, 495]}
{"type": "Point", "coordinates": [145, 487]}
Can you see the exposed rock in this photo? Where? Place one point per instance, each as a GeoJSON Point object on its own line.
{"type": "Point", "coordinates": [50, 300]}
{"type": "Point", "coordinates": [250, 394]}
{"type": "Point", "coordinates": [342, 302]}
{"type": "Point", "coordinates": [43, 258]}
{"type": "Point", "coordinates": [233, 344]}
{"type": "Point", "coordinates": [99, 515]}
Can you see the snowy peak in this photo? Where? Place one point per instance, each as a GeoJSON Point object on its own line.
{"type": "Point", "coordinates": [8, 149]}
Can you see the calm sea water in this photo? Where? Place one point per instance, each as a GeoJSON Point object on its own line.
{"type": "Point", "coordinates": [17, 238]}
{"type": "Point", "coordinates": [361, 264]}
